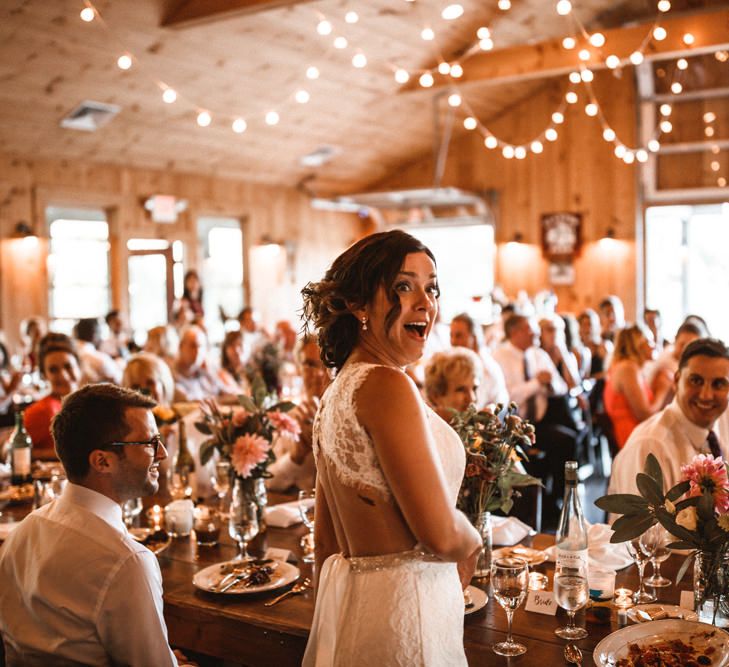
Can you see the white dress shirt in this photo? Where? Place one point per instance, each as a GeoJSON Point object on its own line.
{"type": "Point", "coordinates": [76, 589]}
{"type": "Point", "coordinates": [670, 437]}
{"type": "Point", "coordinates": [511, 360]}
{"type": "Point", "coordinates": [96, 366]}
{"type": "Point", "coordinates": [494, 385]}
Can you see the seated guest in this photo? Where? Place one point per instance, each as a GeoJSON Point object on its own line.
{"type": "Point", "coordinates": [75, 588]}
{"type": "Point", "coordinates": [253, 336]}
{"type": "Point", "coordinates": [600, 350]}
{"type": "Point", "coordinates": [294, 465]}
{"type": "Point", "coordinates": [9, 381]}
{"type": "Point", "coordinates": [96, 366]}
{"type": "Point", "coordinates": [232, 373]}
{"type": "Point", "coordinates": [465, 334]}
{"type": "Point", "coordinates": [452, 381]}
{"type": "Point", "coordinates": [652, 320]}
{"type": "Point", "coordinates": [31, 332]}
{"type": "Point", "coordinates": [574, 345]}
{"type": "Point", "coordinates": [163, 342]}
{"type": "Point", "coordinates": [60, 366]}
{"type": "Point", "coordinates": [628, 398]}
{"type": "Point", "coordinates": [116, 345]}
{"type": "Point", "coordinates": [612, 317]}
{"type": "Point", "coordinates": [552, 341]}
{"type": "Point", "coordinates": [684, 428]}
{"type": "Point", "coordinates": [193, 381]}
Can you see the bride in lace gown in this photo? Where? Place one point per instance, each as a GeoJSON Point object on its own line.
{"type": "Point", "coordinates": [392, 551]}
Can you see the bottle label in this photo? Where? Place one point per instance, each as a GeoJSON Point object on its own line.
{"type": "Point", "coordinates": [21, 462]}
{"type": "Point", "coordinates": [568, 559]}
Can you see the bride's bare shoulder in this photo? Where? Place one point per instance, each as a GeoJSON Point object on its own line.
{"type": "Point", "coordinates": [386, 388]}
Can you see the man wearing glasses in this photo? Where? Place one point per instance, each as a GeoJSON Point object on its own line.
{"type": "Point", "coordinates": [75, 588]}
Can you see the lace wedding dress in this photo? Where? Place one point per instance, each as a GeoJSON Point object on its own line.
{"type": "Point", "coordinates": [394, 610]}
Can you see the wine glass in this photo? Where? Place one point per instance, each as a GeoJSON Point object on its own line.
{"type": "Point", "coordinates": [509, 579]}
{"type": "Point", "coordinates": [243, 525]}
{"type": "Point", "coordinates": [131, 509]}
{"type": "Point", "coordinates": [220, 479]}
{"type": "Point", "coordinates": [662, 552]}
{"type": "Point", "coordinates": [307, 499]}
{"type": "Point", "coordinates": [641, 550]}
{"type": "Point", "coordinates": [571, 593]}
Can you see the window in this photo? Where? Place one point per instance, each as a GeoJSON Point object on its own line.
{"type": "Point", "coordinates": [78, 266]}
{"type": "Point", "coordinates": [687, 268]}
{"type": "Point", "coordinates": [465, 258]}
{"type": "Point", "coordinates": [221, 240]}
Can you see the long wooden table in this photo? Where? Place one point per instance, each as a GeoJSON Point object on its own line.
{"type": "Point", "coordinates": [241, 629]}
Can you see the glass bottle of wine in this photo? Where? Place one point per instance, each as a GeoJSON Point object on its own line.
{"type": "Point", "coordinates": [21, 448]}
{"type": "Point", "coordinates": [183, 468]}
{"type": "Point", "coordinates": [571, 538]}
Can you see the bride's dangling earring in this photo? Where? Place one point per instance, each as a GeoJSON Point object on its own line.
{"type": "Point", "coordinates": [364, 324]}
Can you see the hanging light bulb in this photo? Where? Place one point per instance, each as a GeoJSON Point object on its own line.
{"type": "Point", "coordinates": [456, 71]}
{"type": "Point", "coordinates": [584, 55]}
{"type": "Point", "coordinates": [351, 17]}
{"type": "Point", "coordinates": [597, 39]}
{"type": "Point", "coordinates": [715, 166]}
{"type": "Point", "coordinates": [721, 182]}
{"type": "Point", "coordinates": [664, 5]}
{"type": "Point", "coordinates": [204, 119]}
{"type": "Point", "coordinates": [486, 44]}
{"type": "Point", "coordinates": [636, 57]}
{"type": "Point", "coordinates": [575, 77]}
{"type": "Point", "coordinates": [682, 63]}
{"type": "Point", "coordinates": [340, 42]}
{"type": "Point", "coordinates": [654, 145]}
{"type": "Point", "coordinates": [537, 147]}
{"type": "Point", "coordinates": [508, 152]}
{"type": "Point", "coordinates": [169, 95]}
{"type": "Point", "coordinates": [426, 80]}
{"type": "Point", "coordinates": [569, 43]}
{"type": "Point", "coordinates": [612, 61]}
{"type": "Point", "coordinates": [591, 109]}
{"type": "Point", "coordinates": [452, 12]}
{"type": "Point", "coordinates": [491, 142]}
{"type": "Point", "coordinates": [239, 126]}
{"type": "Point", "coordinates": [608, 134]}
{"type": "Point", "coordinates": [709, 117]}
{"type": "Point", "coordinates": [620, 151]}
{"type": "Point", "coordinates": [629, 157]}
{"type": "Point", "coordinates": [659, 33]}
{"type": "Point", "coordinates": [359, 60]}
{"type": "Point", "coordinates": [564, 7]}
{"type": "Point", "coordinates": [641, 155]}
{"type": "Point", "coordinates": [302, 96]}
{"type": "Point", "coordinates": [558, 117]}
{"type": "Point", "coordinates": [483, 32]}
{"type": "Point", "coordinates": [124, 62]}
{"type": "Point", "coordinates": [312, 73]}
{"type": "Point", "coordinates": [427, 34]}
{"type": "Point", "coordinates": [272, 118]}
{"type": "Point", "coordinates": [571, 97]}
{"type": "Point", "coordinates": [551, 134]}
{"type": "Point", "coordinates": [454, 100]}
{"type": "Point", "coordinates": [87, 14]}
{"type": "Point", "coordinates": [504, 5]}
{"type": "Point", "coordinates": [520, 152]}
{"type": "Point", "coordinates": [401, 75]}
{"type": "Point", "coordinates": [676, 87]}
{"type": "Point", "coordinates": [688, 39]}
{"type": "Point", "coordinates": [666, 109]}
{"type": "Point", "coordinates": [586, 75]}
{"type": "Point", "coordinates": [470, 123]}
{"type": "Point", "coordinates": [444, 68]}
{"type": "Point", "coordinates": [709, 131]}
{"type": "Point", "coordinates": [324, 27]}
{"type": "Point", "coordinates": [666, 126]}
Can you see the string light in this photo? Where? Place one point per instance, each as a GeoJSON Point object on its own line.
{"type": "Point", "coordinates": [721, 181]}
{"type": "Point", "coordinates": [169, 96]}
{"type": "Point", "coordinates": [491, 142]}
{"type": "Point", "coordinates": [676, 87]}
{"type": "Point", "coordinates": [715, 150]}
{"type": "Point", "coordinates": [558, 117]}
{"type": "Point", "coordinates": [664, 6]}
{"type": "Point", "coordinates": [520, 152]}
{"type": "Point", "coordinates": [302, 96]}
{"type": "Point", "coordinates": [612, 61]}
{"type": "Point", "coordinates": [620, 151]}
{"type": "Point", "coordinates": [427, 34]}
{"type": "Point", "coordinates": [564, 7]}
{"type": "Point", "coordinates": [204, 119]}
{"type": "Point", "coordinates": [715, 166]}
{"type": "Point", "coordinates": [722, 56]}
{"type": "Point", "coordinates": [636, 57]}
{"type": "Point", "coordinates": [537, 147]}
{"type": "Point", "coordinates": [456, 71]}
{"type": "Point", "coordinates": [312, 72]}
{"type": "Point", "coordinates": [654, 145]}
{"type": "Point", "coordinates": [608, 134]}
{"type": "Point", "coordinates": [659, 33]}
{"type": "Point", "coordinates": [124, 62]}
{"type": "Point", "coordinates": [452, 12]}
{"type": "Point", "coordinates": [569, 43]}
{"type": "Point", "coordinates": [629, 157]}
{"type": "Point", "coordinates": [426, 80]}
{"type": "Point", "coordinates": [401, 75]}
{"type": "Point", "coordinates": [359, 60]}
{"type": "Point", "coordinates": [483, 33]}
{"type": "Point", "coordinates": [324, 27]}
{"type": "Point", "coordinates": [584, 54]}
{"type": "Point", "coordinates": [239, 126]}
{"type": "Point", "coordinates": [272, 118]}
{"type": "Point", "coordinates": [597, 39]}
{"type": "Point", "coordinates": [709, 117]}
{"type": "Point", "coordinates": [340, 43]}
{"type": "Point", "coordinates": [571, 97]}
{"type": "Point", "coordinates": [682, 63]}
{"type": "Point", "coordinates": [351, 17]}
{"type": "Point", "coordinates": [666, 126]}
{"type": "Point", "coordinates": [688, 39]}
{"type": "Point", "coordinates": [709, 131]}
{"type": "Point", "coordinates": [575, 77]}
{"type": "Point", "coordinates": [666, 109]}
{"type": "Point", "coordinates": [591, 109]}
{"type": "Point", "coordinates": [504, 5]}
{"type": "Point", "coordinates": [486, 44]}
{"type": "Point", "coordinates": [550, 134]}
{"type": "Point", "coordinates": [87, 14]}
{"type": "Point", "coordinates": [586, 75]}
{"type": "Point", "coordinates": [454, 100]}
{"type": "Point", "coordinates": [470, 123]}
{"type": "Point", "coordinates": [444, 68]}
{"type": "Point", "coordinates": [508, 152]}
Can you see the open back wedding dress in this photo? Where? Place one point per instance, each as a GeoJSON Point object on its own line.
{"type": "Point", "coordinates": [391, 610]}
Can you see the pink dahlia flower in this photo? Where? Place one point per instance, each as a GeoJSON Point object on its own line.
{"type": "Point", "coordinates": [239, 417]}
{"type": "Point", "coordinates": [708, 473]}
{"type": "Point", "coordinates": [248, 452]}
{"type": "Point", "coordinates": [284, 423]}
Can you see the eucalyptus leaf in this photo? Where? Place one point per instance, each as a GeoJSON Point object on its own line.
{"type": "Point", "coordinates": [247, 404]}
{"type": "Point", "coordinates": [622, 503]}
{"type": "Point", "coordinates": [203, 428]}
{"type": "Point", "coordinates": [283, 406]}
{"type": "Point", "coordinates": [653, 470]}
{"type": "Point", "coordinates": [206, 451]}
{"type": "Point", "coordinates": [628, 520]}
{"type": "Point", "coordinates": [633, 529]}
{"type": "Point", "coordinates": [648, 488]}
{"type": "Point", "coordinates": [677, 491]}
{"type": "Point", "coordinates": [684, 567]}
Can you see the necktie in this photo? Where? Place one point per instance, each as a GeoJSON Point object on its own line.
{"type": "Point", "coordinates": [531, 402]}
{"type": "Point", "coordinates": [713, 443]}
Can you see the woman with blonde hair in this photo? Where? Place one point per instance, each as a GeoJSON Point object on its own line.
{"type": "Point", "coordinates": [628, 398]}
{"type": "Point", "coordinates": [163, 342]}
{"type": "Point", "coordinates": [452, 381]}
{"type": "Point", "coordinates": [150, 375]}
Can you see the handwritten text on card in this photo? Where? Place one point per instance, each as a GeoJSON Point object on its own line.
{"type": "Point", "coordinates": [541, 602]}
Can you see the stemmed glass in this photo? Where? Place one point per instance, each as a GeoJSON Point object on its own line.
{"type": "Point", "coordinates": [662, 552]}
{"type": "Point", "coordinates": [641, 550]}
{"type": "Point", "coordinates": [243, 525]}
{"type": "Point", "coordinates": [509, 579]}
{"type": "Point", "coordinates": [220, 479]}
{"type": "Point", "coordinates": [307, 499]}
{"type": "Point", "coordinates": [571, 593]}
{"type": "Point", "coordinates": [131, 509]}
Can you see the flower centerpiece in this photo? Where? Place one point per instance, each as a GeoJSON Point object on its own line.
{"type": "Point", "coordinates": [243, 436]}
{"type": "Point", "coordinates": [696, 512]}
{"type": "Point", "coordinates": [495, 440]}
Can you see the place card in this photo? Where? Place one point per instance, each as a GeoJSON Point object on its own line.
{"type": "Point", "coordinates": [687, 600]}
{"type": "Point", "coordinates": [542, 602]}
{"type": "Point", "coordinates": [279, 554]}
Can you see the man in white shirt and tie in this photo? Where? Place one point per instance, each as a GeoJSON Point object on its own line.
{"type": "Point", "coordinates": [75, 588]}
{"type": "Point", "coordinates": [685, 427]}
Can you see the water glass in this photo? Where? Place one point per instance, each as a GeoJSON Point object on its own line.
{"type": "Point", "coordinates": [307, 501]}
{"type": "Point", "coordinates": [131, 510]}
{"type": "Point", "coordinates": [509, 580]}
{"type": "Point", "coordinates": [220, 479]}
{"type": "Point", "coordinates": [571, 593]}
{"type": "Point", "coordinates": [662, 552]}
{"type": "Point", "coordinates": [641, 550]}
{"type": "Point", "coordinates": [243, 525]}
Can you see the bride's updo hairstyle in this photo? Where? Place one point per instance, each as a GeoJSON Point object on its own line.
{"type": "Point", "coordinates": [352, 281]}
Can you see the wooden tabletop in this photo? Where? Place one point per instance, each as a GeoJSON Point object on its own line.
{"type": "Point", "coordinates": [241, 629]}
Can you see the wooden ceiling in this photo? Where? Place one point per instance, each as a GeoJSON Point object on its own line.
{"type": "Point", "coordinates": [252, 59]}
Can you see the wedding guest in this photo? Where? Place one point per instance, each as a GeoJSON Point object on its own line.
{"type": "Point", "coordinates": [59, 364]}
{"type": "Point", "coordinates": [686, 427]}
{"type": "Point", "coordinates": [253, 336]}
{"type": "Point", "coordinates": [452, 381]}
{"type": "Point", "coordinates": [116, 345]}
{"type": "Point", "coordinates": [10, 379]}
{"type": "Point", "coordinates": [652, 320]}
{"type": "Point", "coordinates": [294, 464]}
{"type": "Point", "coordinates": [193, 381]}
{"type": "Point", "coordinates": [574, 345]}
{"type": "Point", "coordinates": [387, 534]}
{"type": "Point", "coordinates": [612, 317]}
{"type": "Point", "coordinates": [32, 331]}
{"type": "Point", "coordinates": [600, 350]}
{"type": "Point", "coordinates": [96, 366]}
{"type": "Point", "coordinates": [75, 588]}
{"type": "Point", "coordinates": [232, 372]}
{"type": "Point", "coordinates": [192, 296]}
{"type": "Point", "coordinates": [552, 341]}
{"type": "Point", "coordinates": [464, 333]}
{"type": "Point", "coordinates": [163, 342]}
{"type": "Point", "coordinates": [627, 396]}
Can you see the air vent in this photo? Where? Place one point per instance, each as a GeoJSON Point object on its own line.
{"type": "Point", "coordinates": [319, 157]}
{"type": "Point", "coordinates": [90, 116]}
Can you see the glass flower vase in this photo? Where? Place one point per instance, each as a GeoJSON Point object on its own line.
{"type": "Point", "coordinates": [483, 524]}
{"type": "Point", "coordinates": [253, 490]}
{"type": "Point", "coordinates": [711, 587]}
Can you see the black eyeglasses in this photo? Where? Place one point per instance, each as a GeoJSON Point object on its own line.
{"type": "Point", "coordinates": [154, 442]}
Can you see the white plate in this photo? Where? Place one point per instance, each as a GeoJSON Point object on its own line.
{"type": "Point", "coordinates": [615, 646]}
{"type": "Point", "coordinates": [478, 598]}
{"type": "Point", "coordinates": [208, 578]}
{"type": "Point", "coordinates": [141, 534]}
{"type": "Point", "coordinates": [671, 610]}
{"type": "Point", "coordinates": [531, 556]}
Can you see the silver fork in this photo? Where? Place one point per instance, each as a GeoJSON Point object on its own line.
{"type": "Point", "coordinates": [298, 588]}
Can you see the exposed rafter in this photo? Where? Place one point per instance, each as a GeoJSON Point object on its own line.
{"type": "Point", "coordinates": [195, 12]}
{"type": "Point", "coordinates": [550, 58]}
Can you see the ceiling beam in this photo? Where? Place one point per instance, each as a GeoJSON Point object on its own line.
{"type": "Point", "coordinates": [550, 58]}
{"type": "Point", "coordinates": [196, 12]}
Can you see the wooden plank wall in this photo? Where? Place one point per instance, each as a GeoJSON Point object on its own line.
{"type": "Point", "coordinates": [28, 186]}
{"type": "Point", "coordinates": [576, 173]}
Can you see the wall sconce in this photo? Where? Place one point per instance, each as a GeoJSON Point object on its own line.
{"type": "Point", "coordinates": [22, 230]}
{"type": "Point", "coordinates": [517, 239]}
{"type": "Point", "coordinates": [609, 234]}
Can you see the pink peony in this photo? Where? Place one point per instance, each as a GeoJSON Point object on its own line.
{"type": "Point", "coordinates": [239, 417]}
{"type": "Point", "coordinates": [248, 452]}
{"type": "Point", "coordinates": [284, 423]}
{"type": "Point", "coordinates": [706, 472]}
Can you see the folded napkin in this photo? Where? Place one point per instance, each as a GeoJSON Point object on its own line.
{"type": "Point", "coordinates": [7, 528]}
{"type": "Point", "coordinates": [601, 554]}
{"type": "Point", "coordinates": [508, 530]}
{"type": "Point", "coordinates": [285, 514]}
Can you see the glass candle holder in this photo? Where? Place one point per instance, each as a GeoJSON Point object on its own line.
{"type": "Point", "coordinates": [179, 518]}
{"type": "Point", "coordinates": [207, 526]}
{"type": "Point", "coordinates": [538, 581]}
{"type": "Point", "coordinates": [155, 517]}
{"type": "Point", "coordinates": [623, 598]}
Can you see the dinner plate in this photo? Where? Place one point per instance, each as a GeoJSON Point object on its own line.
{"type": "Point", "coordinates": [660, 611]}
{"type": "Point", "coordinates": [208, 579]}
{"type": "Point", "coordinates": [156, 547]}
{"type": "Point", "coordinates": [531, 556]}
{"type": "Point", "coordinates": [17, 494]}
{"type": "Point", "coordinates": [701, 635]}
{"type": "Point", "coordinates": [478, 600]}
